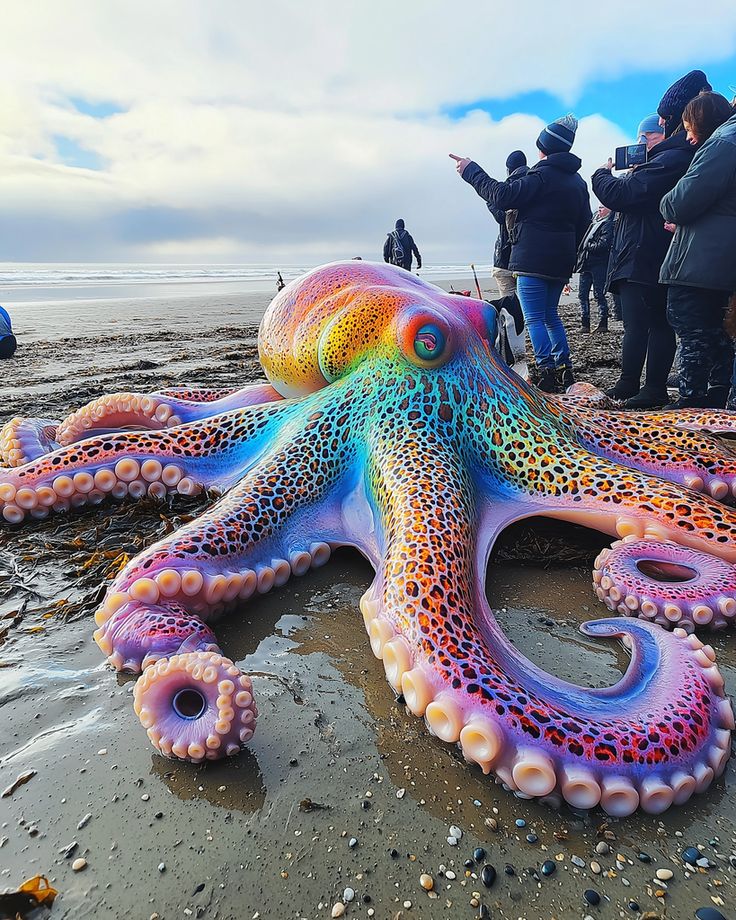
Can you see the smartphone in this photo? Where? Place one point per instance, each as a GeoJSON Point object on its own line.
{"type": "Point", "coordinates": [632, 155]}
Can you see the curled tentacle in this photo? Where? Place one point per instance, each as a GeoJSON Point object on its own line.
{"type": "Point", "coordinates": [25, 439]}
{"type": "Point", "coordinates": [156, 411]}
{"type": "Point", "coordinates": [667, 584]}
{"type": "Point", "coordinates": [654, 738]}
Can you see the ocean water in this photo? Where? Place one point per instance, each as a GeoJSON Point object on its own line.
{"type": "Point", "coordinates": [35, 282]}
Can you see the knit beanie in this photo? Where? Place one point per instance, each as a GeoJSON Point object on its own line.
{"type": "Point", "coordinates": [515, 159]}
{"type": "Point", "coordinates": [558, 137]}
{"type": "Point", "coordinates": [650, 125]}
{"type": "Point", "coordinates": [677, 97]}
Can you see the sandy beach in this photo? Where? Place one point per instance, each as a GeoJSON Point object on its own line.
{"type": "Point", "coordinates": [342, 795]}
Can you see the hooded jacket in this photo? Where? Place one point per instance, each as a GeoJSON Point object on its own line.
{"type": "Point", "coordinates": [5, 324]}
{"type": "Point", "coordinates": [552, 213]}
{"type": "Point", "coordinates": [407, 244]}
{"type": "Point", "coordinates": [703, 205]}
{"type": "Point", "coordinates": [595, 247]}
{"type": "Point", "coordinates": [502, 249]}
{"type": "Point", "coordinates": [640, 241]}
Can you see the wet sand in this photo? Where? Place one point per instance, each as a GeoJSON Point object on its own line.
{"type": "Point", "coordinates": [335, 758]}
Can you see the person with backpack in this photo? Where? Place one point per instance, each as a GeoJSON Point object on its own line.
{"type": "Point", "coordinates": [516, 166]}
{"type": "Point", "coordinates": [8, 342]}
{"type": "Point", "coordinates": [400, 247]}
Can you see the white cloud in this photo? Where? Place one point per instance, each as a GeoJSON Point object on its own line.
{"type": "Point", "coordinates": [295, 130]}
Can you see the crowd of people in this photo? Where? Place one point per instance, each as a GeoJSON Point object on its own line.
{"type": "Point", "coordinates": [663, 244]}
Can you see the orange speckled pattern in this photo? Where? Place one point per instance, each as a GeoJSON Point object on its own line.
{"type": "Point", "coordinates": [403, 434]}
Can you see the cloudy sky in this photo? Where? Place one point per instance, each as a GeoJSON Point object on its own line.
{"type": "Point", "coordinates": [298, 130]}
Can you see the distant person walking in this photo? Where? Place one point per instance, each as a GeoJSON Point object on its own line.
{"type": "Point", "coordinates": [400, 247]}
{"type": "Point", "coordinates": [505, 281]}
{"type": "Point", "coordinates": [593, 266]}
{"type": "Point", "coordinates": [8, 342]}
{"type": "Point", "coordinates": [552, 214]}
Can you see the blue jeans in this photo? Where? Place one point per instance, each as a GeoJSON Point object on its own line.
{"type": "Point", "coordinates": [593, 276]}
{"type": "Point", "coordinates": [539, 298]}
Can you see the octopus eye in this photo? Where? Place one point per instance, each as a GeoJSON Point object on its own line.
{"type": "Point", "coordinates": [429, 342]}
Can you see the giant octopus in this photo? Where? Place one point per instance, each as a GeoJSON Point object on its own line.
{"type": "Point", "coordinates": [391, 425]}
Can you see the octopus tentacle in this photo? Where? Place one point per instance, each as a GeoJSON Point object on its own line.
{"type": "Point", "coordinates": [667, 584]}
{"type": "Point", "coordinates": [156, 411]}
{"type": "Point", "coordinates": [212, 453]}
{"type": "Point", "coordinates": [691, 457]}
{"type": "Point", "coordinates": [26, 439]}
{"type": "Point", "coordinates": [623, 746]}
{"type": "Point", "coordinates": [253, 539]}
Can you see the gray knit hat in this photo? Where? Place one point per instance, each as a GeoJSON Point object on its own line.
{"type": "Point", "coordinates": [558, 137]}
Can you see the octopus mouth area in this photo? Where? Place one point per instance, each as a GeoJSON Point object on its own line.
{"type": "Point", "coordinates": [666, 572]}
{"type": "Point", "coordinates": [189, 704]}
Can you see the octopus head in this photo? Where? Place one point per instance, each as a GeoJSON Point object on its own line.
{"type": "Point", "coordinates": [321, 327]}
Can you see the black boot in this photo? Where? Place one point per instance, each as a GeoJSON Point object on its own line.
{"type": "Point", "coordinates": [647, 398]}
{"type": "Point", "coordinates": [565, 376]}
{"type": "Point", "coordinates": [547, 380]}
{"type": "Point", "coordinates": [716, 397]}
{"type": "Point", "coordinates": [690, 402]}
{"type": "Point", "coordinates": [585, 325]}
{"type": "Point", "coordinates": [621, 391]}
{"type": "Point", "coordinates": [602, 326]}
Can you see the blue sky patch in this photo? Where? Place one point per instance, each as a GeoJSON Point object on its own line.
{"type": "Point", "coordinates": [73, 154]}
{"type": "Point", "coordinates": [96, 109]}
{"type": "Point", "coordinates": [624, 101]}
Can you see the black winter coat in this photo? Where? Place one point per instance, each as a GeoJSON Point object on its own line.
{"type": "Point", "coordinates": [640, 241]}
{"type": "Point", "coordinates": [407, 244]}
{"type": "Point", "coordinates": [596, 245]}
{"type": "Point", "coordinates": [502, 249]}
{"type": "Point", "coordinates": [552, 213]}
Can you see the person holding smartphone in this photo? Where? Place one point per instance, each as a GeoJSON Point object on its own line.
{"type": "Point", "coordinates": [640, 244]}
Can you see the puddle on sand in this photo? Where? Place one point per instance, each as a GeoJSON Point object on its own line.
{"type": "Point", "coordinates": [234, 838]}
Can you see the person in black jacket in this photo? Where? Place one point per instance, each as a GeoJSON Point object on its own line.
{"type": "Point", "coordinates": [639, 246]}
{"type": "Point", "coordinates": [400, 246]}
{"type": "Point", "coordinates": [552, 214]}
{"type": "Point", "coordinates": [592, 265]}
{"type": "Point", "coordinates": [506, 282]}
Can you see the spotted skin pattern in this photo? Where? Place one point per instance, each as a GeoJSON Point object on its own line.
{"type": "Point", "coordinates": [397, 429]}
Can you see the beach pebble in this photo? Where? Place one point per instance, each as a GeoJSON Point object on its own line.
{"type": "Point", "coordinates": [338, 909]}
{"type": "Point", "coordinates": [548, 867]}
{"type": "Point", "coordinates": [595, 867]}
{"type": "Point", "coordinates": [102, 752]}
{"type": "Point", "coordinates": [592, 896]}
{"type": "Point", "coordinates": [644, 857]}
{"type": "Point", "coordinates": [145, 797]}
{"type": "Point", "coordinates": [664, 875]}
{"type": "Point", "coordinates": [488, 875]}
{"type": "Point", "coordinates": [491, 823]}
{"type": "Point", "coordinates": [407, 905]}
{"type": "Point", "coordinates": [691, 855]}
{"type": "Point", "coordinates": [531, 838]}
{"type": "Point", "coordinates": [520, 822]}
{"type": "Point", "coordinates": [708, 913]}
{"type": "Point", "coordinates": [348, 895]}
{"type": "Point", "coordinates": [634, 907]}
{"type": "Point", "coordinates": [449, 874]}
{"type": "Point", "coordinates": [162, 867]}
{"type": "Point", "coordinates": [426, 881]}
{"type": "Point", "coordinates": [602, 848]}
{"type": "Point", "coordinates": [455, 831]}
{"type": "Point", "coordinates": [577, 861]}
{"type": "Point", "coordinates": [79, 864]}
{"type": "Point", "coordinates": [84, 820]}
{"type": "Point", "coordinates": [353, 843]}
{"type": "Point", "coordinates": [400, 793]}
{"type": "Point", "coordinates": [479, 854]}
{"type": "Point", "coordinates": [452, 841]}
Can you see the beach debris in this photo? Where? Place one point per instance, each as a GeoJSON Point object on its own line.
{"type": "Point", "coordinates": [455, 832]}
{"type": "Point", "coordinates": [20, 780]}
{"type": "Point", "coordinates": [353, 843]}
{"type": "Point", "coordinates": [348, 895]}
{"type": "Point", "coordinates": [85, 821]}
{"type": "Point", "coordinates": [664, 875]}
{"type": "Point", "coordinates": [308, 805]}
{"type": "Point", "coordinates": [79, 864]}
{"type": "Point", "coordinates": [338, 909]}
{"type": "Point", "coordinates": [577, 861]}
{"type": "Point", "coordinates": [23, 901]}
{"type": "Point", "coordinates": [67, 850]}
{"type": "Point", "coordinates": [602, 848]}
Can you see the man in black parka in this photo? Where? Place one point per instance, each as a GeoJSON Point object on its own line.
{"type": "Point", "coordinates": [400, 246]}
{"type": "Point", "coordinates": [640, 244]}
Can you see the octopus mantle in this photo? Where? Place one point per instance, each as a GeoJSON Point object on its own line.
{"type": "Point", "coordinates": [390, 424]}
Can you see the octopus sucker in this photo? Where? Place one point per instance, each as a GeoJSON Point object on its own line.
{"type": "Point", "coordinates": [390, 424]}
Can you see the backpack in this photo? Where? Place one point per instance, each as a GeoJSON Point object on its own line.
{"type": "Point", "coordinates": [397, 250]}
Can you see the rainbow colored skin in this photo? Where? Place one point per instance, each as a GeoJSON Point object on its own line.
{"type": "Point", "coordinates": [403, 434]}
{"type": "Point", "coordinates": [25, 439]}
